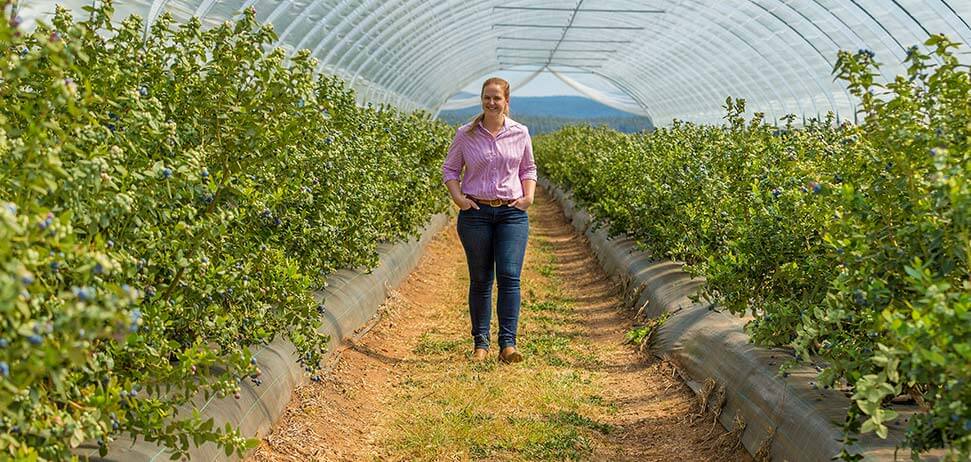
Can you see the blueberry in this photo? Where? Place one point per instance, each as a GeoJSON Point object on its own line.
{"type": "Point", "coordinates": [328, 140]}
{"type": "Point", "coordinates": [817, 188]}
{"type": "Point", "coordinates": [98, 268]}
{"type": "Point", "coordinates": [27, 278]}
{"type": "Point", "coordinates": [166, 172]}
{"type": "Point", "coordinates": [776, 193]}
{"type": "Point", "coordinates": [150, 291]}
{"type": "Point", "coordinates": [55, 266]}
{"type": "Point", "coordinates": [110, 243]}
{"type": "Point", "coordinates": [4, 343]}
{"type": "Point", "coordinates": [135, 318]}
{"type": "Point", "coordinates": [837, 179]}
{"type": "Point", "coordinates": [46, 223]}
{"type": "Point", "coordinates": [35, 339]}
{"type": "Point", "coordinates": [204, 173]}
{"type": "Point", "coordinates": [143, 90]}
{"type": "Point", "coordinates": [4, 369]}
{"type": "Point", "coordinates": [85, 294]}
{"type": "Point", "coordinates": [252, 361]}
{"type": "Point", "coordinates": [204, 260]}
{"type": "Point", "coordinates": [300, 102]}
{"type": "Point", "coordinates": [115, 426]}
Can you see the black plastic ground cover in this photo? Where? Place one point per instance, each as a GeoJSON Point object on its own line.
{"type": "Point", "coordinates": [352, 299]}
{"type": "Point", "coordinates": [788, 418]}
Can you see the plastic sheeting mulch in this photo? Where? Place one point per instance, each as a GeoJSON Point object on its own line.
{"type": "Point", "coordinates": [777, 418]}
{"type": "Point", "coordinates": [352, 299]}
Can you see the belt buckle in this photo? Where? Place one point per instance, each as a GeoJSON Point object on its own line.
{"type": "Point", "coordinates": [495, 202]}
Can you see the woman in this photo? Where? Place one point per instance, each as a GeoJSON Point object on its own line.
{"type": "Point", "coordinates": [493, 195]}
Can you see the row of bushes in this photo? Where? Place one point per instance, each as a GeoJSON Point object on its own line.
{"type": "Point", "coordinates": [848, 243]}
{"type": "Point", "coordinates": [166, 202]}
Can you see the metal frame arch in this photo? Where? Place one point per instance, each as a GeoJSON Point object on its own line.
{"type": "Point", "coordinates": [955, 14]}
{"type": "Point", "coordinates": [417, 67]}
{"type": "Point", "coordinates": [730, 33]}
{"type": "Point", "coordinates": [755, 28]}
{"type": "Point", "coordinates": [418, 56]}
{"type": "Point", "coordinates": [830, 65]}
{"type": "Point", "coordinates": [680, 90]}
{"type": "Point", "coordinates": [320, 25]}
{"type": "Point", "coordinates": [301, 18]}
{"type": "Point", "coordinates": [339, 30]}
{"type": "Point", "coordinates": [357, 15]}
{"type": "Point", "coordinates": [359, 35]}
{"type": "Point", "coordinates": [459, 60]}
{"type": "Point", "coordinates": [801, 56]}
{"type": "Point", "coordinates": [412, 19]}
{"type": "Point", "coordinates": [667, 35]}
{"type": "Point", "coordinates": [717, 46]}
{"type": "Point", "coordinates": [153, 11]}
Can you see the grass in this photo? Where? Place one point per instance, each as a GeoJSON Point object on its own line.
{"type": "Point", "coordinates": [545, 408]}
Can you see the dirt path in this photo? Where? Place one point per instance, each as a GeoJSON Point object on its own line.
{"type": "Point", "coordinates": [407, 391]}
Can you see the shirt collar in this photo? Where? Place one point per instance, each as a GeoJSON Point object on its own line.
{"type": "Point", "coordinates": [506, 124]}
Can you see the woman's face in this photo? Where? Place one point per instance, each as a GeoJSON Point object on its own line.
{"type": "Point", "coordinates": [493, 100]}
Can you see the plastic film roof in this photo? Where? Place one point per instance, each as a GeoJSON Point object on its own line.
{"type": "Point", "coordinates": [668, 59]}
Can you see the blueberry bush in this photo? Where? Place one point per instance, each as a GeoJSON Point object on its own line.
{"type": "Point", "coordinates": [165, 203]}
{"type": "Point", "coordinates": [848, 243]}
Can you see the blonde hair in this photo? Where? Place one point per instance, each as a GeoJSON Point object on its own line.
{"type": "Point", "coordinates": [505, 91]}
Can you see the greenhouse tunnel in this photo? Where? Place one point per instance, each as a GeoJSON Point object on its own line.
{"type": "Point", "coordinates": [813, 187]}
{"type": "Point", "coordinates": [671, 60]}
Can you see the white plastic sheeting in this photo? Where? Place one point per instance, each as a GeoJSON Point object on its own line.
{"type": "Point", "coordinates": [672, 58]}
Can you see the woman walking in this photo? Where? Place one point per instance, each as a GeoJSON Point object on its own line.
{"type": "Point", "coordinates": [493, 195]}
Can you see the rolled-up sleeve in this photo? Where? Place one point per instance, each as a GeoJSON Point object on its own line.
{"type": "Point", "coordinates": [452, 168]}
{"type": "Point", "coordinates": [527, 166]}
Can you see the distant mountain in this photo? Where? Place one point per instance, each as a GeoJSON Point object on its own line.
{"type": "Point", "coordinates": [548, 113]}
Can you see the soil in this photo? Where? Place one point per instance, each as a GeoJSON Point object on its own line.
{"type": "Point", "coordinates": [347, 416]}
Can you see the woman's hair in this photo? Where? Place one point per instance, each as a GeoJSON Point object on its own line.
{"type": "Point", "coordinates": [505, 91]}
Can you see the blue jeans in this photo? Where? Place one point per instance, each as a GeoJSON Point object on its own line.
{"type": "Point", "coordinates": [494, 239]}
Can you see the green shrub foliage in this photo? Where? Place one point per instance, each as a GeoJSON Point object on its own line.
{"type": "Point", "coordinates": [166, 202]}
{"type": "Point", "coordinates": [848, 243]}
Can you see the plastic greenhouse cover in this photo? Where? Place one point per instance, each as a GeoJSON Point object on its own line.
{"type": "Point", "coordinates": [671, 59]}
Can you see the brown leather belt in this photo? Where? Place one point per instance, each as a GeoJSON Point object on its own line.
{"type": "Point", "coordinates": [492, 202]}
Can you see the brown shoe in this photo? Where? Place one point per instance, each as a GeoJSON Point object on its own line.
{"type": "Point", "coordinates": [479, 355]}
{"type": "Point", "coordinates": [510, 355]}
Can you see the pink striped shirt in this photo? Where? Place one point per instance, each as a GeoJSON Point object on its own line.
{"type": "Point", "coordinates": [495, 167]}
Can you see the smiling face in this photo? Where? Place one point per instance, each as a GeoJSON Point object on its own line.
{"type": "Point", "coordinates": [493, 100]}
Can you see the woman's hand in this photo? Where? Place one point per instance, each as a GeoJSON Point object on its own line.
{"type": "Point", "coordinates": [465, 203]}
{"type": "Point", "coordinates": [522, 203]}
